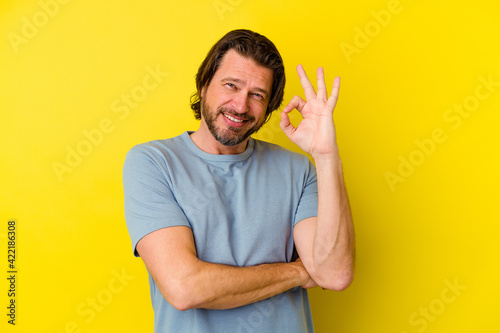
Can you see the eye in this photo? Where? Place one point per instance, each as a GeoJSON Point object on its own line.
{"type": "Point", "coordinates": [230, 85]}
{"type": "Point", "coordinates": [259, 96]}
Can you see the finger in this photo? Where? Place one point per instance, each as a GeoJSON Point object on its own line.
{"type": "Point", "coordinates": [286, 125]}
{"type": "Point", "coordinates": [295, 103]}
{"type": "Point", "coordinates": [332, 101]}
{"type": "Point", "coordinates": [322, 93]}
{"type": "Point", "coordinates": [306, 84]}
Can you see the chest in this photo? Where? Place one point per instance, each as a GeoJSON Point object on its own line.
{"type": "Point", "coordinates": [239, 216]}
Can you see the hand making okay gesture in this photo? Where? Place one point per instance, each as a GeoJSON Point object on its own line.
{"type": "Point", "coordinates": [315, 134]}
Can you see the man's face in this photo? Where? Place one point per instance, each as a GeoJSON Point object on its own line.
{"type": "Point", "coordinates": [234, 104]}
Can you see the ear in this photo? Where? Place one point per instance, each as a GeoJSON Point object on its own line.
{"type": "Point", "coordinates": [203, 91]}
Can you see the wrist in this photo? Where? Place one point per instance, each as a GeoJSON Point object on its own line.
{"type": "Point", "coordinates": [302, 276]}
{"type": "Point", "coordinates": [327, 161]}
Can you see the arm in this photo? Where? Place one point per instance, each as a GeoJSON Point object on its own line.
{"type": "Point", "coordinates": [325, 243]}
{"type": "Point", "coordinates": [187, 282]}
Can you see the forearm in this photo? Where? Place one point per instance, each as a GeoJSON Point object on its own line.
{"type": "Point", "coordinates": [217, 286]}
{"type": "Point", "coordinates": [333, 242]}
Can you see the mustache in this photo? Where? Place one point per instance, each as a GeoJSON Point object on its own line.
{"type": "Point", "coordinates": [232, 112]}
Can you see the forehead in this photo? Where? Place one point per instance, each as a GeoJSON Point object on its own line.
{"type": "Point", "coordinates": [246, 69]}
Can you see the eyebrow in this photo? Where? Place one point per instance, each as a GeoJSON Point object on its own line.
{"type": "Point", "coordinates": [233, 79]}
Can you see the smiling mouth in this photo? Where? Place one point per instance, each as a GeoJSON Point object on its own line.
{"type": "Point", "coordinates": [232, 118]}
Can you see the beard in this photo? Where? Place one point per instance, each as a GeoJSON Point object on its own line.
{"type": "Point", "coordinates": [232, 135]}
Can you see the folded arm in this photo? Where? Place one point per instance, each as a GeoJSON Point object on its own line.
{"type": "Point", "coordinates": [187, 282]}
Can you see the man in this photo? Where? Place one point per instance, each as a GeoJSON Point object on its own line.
{"type": "Point", "coordinates": [216, 215]}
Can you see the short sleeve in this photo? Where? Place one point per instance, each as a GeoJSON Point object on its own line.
{"type": "Point", "coordinates": [149, 202]}
{"type": "Point", "coordinates": [308, 203]}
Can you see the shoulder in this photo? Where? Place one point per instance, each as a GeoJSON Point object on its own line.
{"type": "Point", "coordinates": [157, 146]}
{"type": "Point", "coordinates": [155, 150]}
{"type": "Point", "coordinates": [152, 158]}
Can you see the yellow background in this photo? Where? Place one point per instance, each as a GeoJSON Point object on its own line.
{"type": "Point", "coordinates": [414, 238]}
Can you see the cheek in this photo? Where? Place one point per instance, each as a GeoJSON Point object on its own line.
{"type": "Point", "coordinates": [260, 110]}
{"type": "Point", "coordinates": [221, 100]}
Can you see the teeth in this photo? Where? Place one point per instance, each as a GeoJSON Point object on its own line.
{"type": "Point", "coordinates": [232, 119]}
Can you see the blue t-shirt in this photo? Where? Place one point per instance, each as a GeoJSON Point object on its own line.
{"type": "Point", "coordinates": [241, 209]}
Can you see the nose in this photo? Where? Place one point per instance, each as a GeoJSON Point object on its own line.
{"type": "Point", "coordinates": [240, 102]}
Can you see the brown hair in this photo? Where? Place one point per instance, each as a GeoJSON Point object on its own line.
{"type": "Point", "coordinates": [249, 44]}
